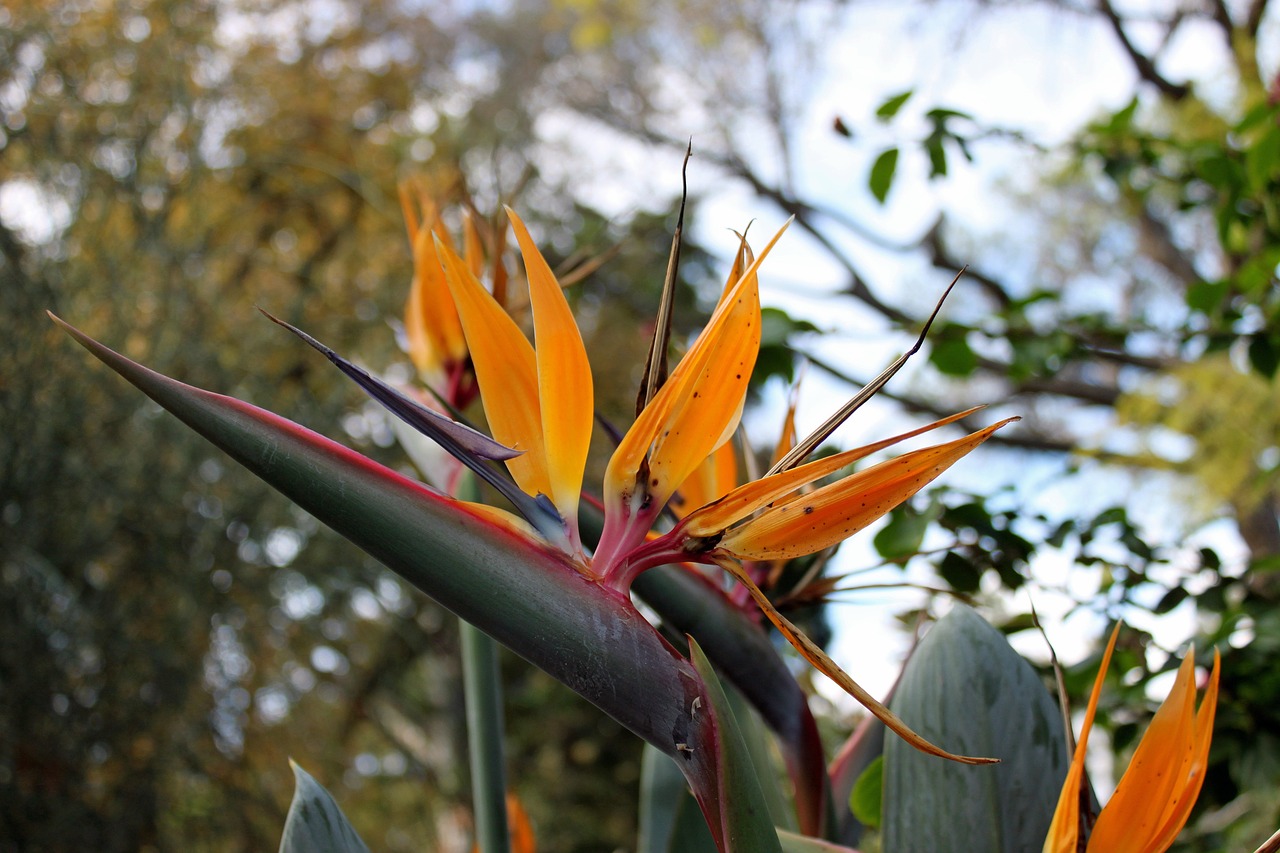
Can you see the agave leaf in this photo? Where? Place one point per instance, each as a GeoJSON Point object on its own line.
{"type": "Point", "coordinates": [315, 823]}
{"type": "Point", "coordinates": [965, 685]}
{"type": "Point", "coordinates": [523, 595]}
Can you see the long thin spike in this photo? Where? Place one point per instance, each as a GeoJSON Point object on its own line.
{"type": "Point", "coordinates": [1064, 702]}
{"type": "Point", "coordinates": [655, 370]}
{"type": "Point", "coordinates": [802, 450]}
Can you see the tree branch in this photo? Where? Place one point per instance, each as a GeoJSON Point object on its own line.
{"type": "Point", "coordinates": [1141, 62]}
{"type": "Point", "coordinates": [942, 259]}
{"type": "Point", "coordinates": [1022, 440]}
{"type": "Point", "coordinates": [1222, 17]}
{"type": "Point", "coordinates": [1254, 19]}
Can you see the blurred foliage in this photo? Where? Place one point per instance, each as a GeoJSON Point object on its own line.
{"type": "Point", "coordinates": [1145, 340]}
{"type": "Point", "coordinates": [170, 630]}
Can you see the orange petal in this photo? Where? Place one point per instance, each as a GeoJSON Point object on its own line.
{"type": "Point", "coordinates": [564, 378]}
{"type": "Point", "coordinates": [696, 410]}
{"type": "Point", "coordinates": [1156, 775]}
{"type": "Point", "coordinates": [409, 212]}
{"type": "Point", "coordinates": [1064, 829]}
{"type": "Point", "coordinates": [716, 476]}
{"type": "Point", "coordinates": [519, 828]}
{"type": "Point", "coordinates": [431, 319]}
{"type": "Point", "coordinates": [472, 246]}
{"type": "Point", "coordinates": [1179, 808]}
{"type": "Point", "coordinates": [746, 499]}
{"type": "Point", "coordinates": [787, 438]}
{"type": "Point", "coordinates": [506, 371]}
{"type": "Point", "coordinates": [807, 523]}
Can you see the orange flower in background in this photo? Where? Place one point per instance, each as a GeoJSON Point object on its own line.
{"type": "Point", "coordinates": [519, 826]}
{"type": "Point", "coordinates": [1153, 800]}
{"type": "Point", "coordinates": [431, 323]}
{"type": "Point", "coordinates": [433, 330]}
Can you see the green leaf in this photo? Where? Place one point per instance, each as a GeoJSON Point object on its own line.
{"type": "Point", "coordinates": [520, 593]}
{"type": "Point", "coordinates": [1170, 600]}
{"type": "Point", "coordinates": [315, 823]}
{"type": "Point", "coordinates": [777, 354]}
{"type": "Point", "coordinates": [760, 750]}
{"type": "Point", "coordinates": [968, 691]}
{"type": "Point", "coordinates": [864, 746]}
{"type": "Point", "coordinates": [1121, 121]}
{"type": "Point", "coordinates": [747, 658]}
{"type": "Point", "coordinates": [882, 170]}
{"type": "Point", "coordinates": [960, 573]}
{"type": "Point", "coordinates": [1264, 355]}
{"type": "Point", "coordinates": [953, 356]}
{"type": "Point", "coordinates": [1262, 159]}
{"type": "Point", "coordinates": [868, 794]}
{"type": "Point", "coordinates": [889, 108]}
{"type": "Point", "coordinates": [793, 843]}
{"type": "Point", "coordinates": [904, 533]}
{"type": "Point", "coordinates": [1206, 296]}
{"type": "Point", "coordinates": [937, 155]}
{"type": "Point", "coordinates": [1258, 115]}
{"type": "Point", "coordinates": [1219, 170]}
{"type": "Point", "coordinates": [744, 824]}
{"type": "Point", "coordinates": [670, 821]}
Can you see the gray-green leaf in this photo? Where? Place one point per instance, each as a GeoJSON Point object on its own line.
{"type": "Point", "coordinates": [966, 690]}
{"type": "Point", "coordinates": [315, 823]}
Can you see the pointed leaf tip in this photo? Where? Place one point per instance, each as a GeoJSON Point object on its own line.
{"type": "Point", "coordinates": [432, 424]}
{"type": "Point", "coordinates": [315, 823]}
{"type": "Point", "coordinates": [465, 444]}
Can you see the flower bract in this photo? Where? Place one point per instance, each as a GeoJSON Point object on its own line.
{"type": "Point", "coordinates": [1154, 797]}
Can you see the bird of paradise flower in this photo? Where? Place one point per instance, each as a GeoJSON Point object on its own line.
{"type": "Point", "coordinates": [1154, 797]}
{"type": "Point", "coordinates": [538, 400]}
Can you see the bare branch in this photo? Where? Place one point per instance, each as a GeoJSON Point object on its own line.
{"type": "Point", "coordinates": [1254, 19]}
{"type": "Point", "coordinates": [803, 448]}
{"type": "Point", "coordinates": [1023, 439]}
{"type": "Point", "coordinates": [1222, 17]}
{"type": "Point", "coordinates": [944, 260]}
{"type": "Point", "coordinates": [1141, 62]}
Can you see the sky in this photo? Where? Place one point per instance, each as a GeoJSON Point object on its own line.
{"type": "Point", "coordinates": [1027, 68]}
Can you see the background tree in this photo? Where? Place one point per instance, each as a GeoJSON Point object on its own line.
{"type": "Point", "coordinates": [172, 630]}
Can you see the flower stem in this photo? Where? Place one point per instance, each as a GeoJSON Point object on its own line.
{"type": "Point", "coordinates": [485, 737]}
